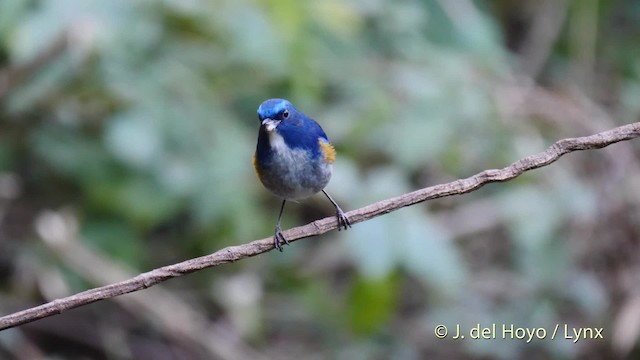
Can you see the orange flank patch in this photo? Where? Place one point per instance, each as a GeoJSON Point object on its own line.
{"type": "Point", "coordinates": [255, 167]}
{"type": "Point", "coordinates": [328, 150]}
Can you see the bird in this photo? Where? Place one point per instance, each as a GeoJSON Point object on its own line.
{"type": "Point", "coordinates": [293, 158]}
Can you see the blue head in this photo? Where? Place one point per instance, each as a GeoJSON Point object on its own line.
{"type": "Point", "coordinates": [280, 117]}
{"type": "Point", "coordinates": [275, 109]}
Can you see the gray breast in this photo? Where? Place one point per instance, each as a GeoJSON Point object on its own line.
{"type": "Point", "coordinates": [294, 173]}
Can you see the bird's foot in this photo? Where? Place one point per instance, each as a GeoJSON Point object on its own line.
{"type": "Point", "coordinates": [343, 220]}
{"type": "Point", "coordinates": [279, 239]}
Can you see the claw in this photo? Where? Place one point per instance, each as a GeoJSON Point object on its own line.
{"type": "Point", "coordinates": [279, 239]}
{"type": "Point", "coordinates": [343, 220]}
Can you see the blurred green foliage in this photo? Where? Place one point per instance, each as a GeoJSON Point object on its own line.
{"type": "Point", "coordinates": [137, 119]}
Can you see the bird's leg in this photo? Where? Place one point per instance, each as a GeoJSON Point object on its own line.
{"type": "Point", "coordinates": [278, 238]}
{"type": "Point", "coordinates": [343, 220]}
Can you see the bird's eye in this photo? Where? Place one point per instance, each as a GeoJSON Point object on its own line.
{"type": "Point", "coordinates": [285, 114]}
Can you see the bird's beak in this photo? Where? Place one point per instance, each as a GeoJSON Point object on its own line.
{"type": "Point", "coordinates": [270, 124]}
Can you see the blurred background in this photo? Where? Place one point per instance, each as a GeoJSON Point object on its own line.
{"type": "Point", "coordinates": [126, 135]}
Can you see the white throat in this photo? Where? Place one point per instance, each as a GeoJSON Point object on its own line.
{"type": "Point", "coordinates": [277, 142]}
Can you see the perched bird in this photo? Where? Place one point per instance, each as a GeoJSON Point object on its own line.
{"type": "Point", "coordinates": [293, 158]}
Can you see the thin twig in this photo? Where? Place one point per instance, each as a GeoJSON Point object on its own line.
{"type": "Point", "coordinates": [543, 34]}
{"type": "Point", "coordinates": [13, 77]}
{"type": "Point", "coordinates": [235, 253]}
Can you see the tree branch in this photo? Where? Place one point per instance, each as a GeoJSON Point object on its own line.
{"type": "Point", "coordinates": [234, 253]}
{"type": "Point", "coordinates": [13, 77]}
